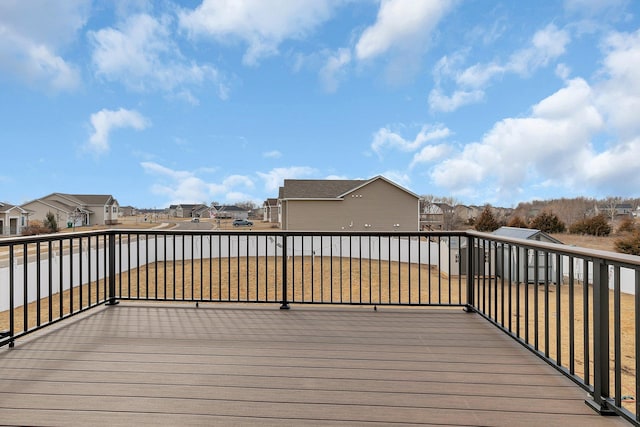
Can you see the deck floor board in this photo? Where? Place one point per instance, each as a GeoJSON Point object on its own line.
{"type": "Point", "coordinates": [137, 364]}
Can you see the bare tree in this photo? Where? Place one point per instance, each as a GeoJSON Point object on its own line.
{"type": "Point", "coordinates": [247, 205]}
{"type": "Point", "coordinates": [610, 205]}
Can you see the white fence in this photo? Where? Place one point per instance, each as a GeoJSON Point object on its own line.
{"type": "Point", "coordinates": [134, 253]}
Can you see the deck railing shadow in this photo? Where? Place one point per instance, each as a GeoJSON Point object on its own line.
{"type": "Point", "coordinates": [578, 309]}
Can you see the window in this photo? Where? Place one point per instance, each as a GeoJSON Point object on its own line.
{"type": "Point", "coordinates": [114, 209]}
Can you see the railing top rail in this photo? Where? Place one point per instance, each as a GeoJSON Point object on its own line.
{"type": "Point", "coordinates": [613, 257]}
{"type": "Point", "coordinates": [289, 233]}
{"type": "Point", "coordinates": [8, 241]}
{"type": "Point", "coordinates": [562, 249]}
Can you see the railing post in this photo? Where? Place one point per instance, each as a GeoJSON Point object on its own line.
{"type": "Point", "coordinates": [600, 339]}
{"type": "Point", "coordinates": [285, 304]}
{"type": "Point", "coordinates": [470, 277]}
{"type": "Point", "coordinates": [111, 299]}
{"type": "Point", "coordinates": [11, 332]}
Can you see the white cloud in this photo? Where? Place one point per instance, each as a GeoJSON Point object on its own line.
{"type": "Point", "coordinates": [186, 187]}
{"type": "Point", "coordinates": [333, 70]}
{"type": "Point", "coordinates": [274, 179]}
{"type": "Point", "coordinates": [401, 24]}
{"type": "Point", "coordinates": [273, 154]}
{"type": "Point", "coordinates": [32, 33]}
{"type": "Point", "coordinates": [386, 138]}
{"type": "Point", "coordinates": [615, 171]}
{"type": "Point", "coordinates": [430, 153]}
{"type": "Point", "coordinates": [553, 143]}
{"type": "Point", "coordinates": [400, 178]}
{"type": "Point", "coordinates": [546, 45]}
{"type": "Point", "coordinates": [447, 103]}
{"type": "Point", "coordinates": [619, 92]}
{"type": "Point", "coordinates": [233, 181]}
{"type": "Point", "coordinates": [104, 121]}
{"type": "Point", "coordinates": [141, 54]}
{"type": "Point", "coordinates": [479, 75]}
{"type": "Point", "coordinates": [563, 71]}
{"type": "Point", "coordinates": [582, 138]}
{"type": "Point", "coordinates": [262, 25]}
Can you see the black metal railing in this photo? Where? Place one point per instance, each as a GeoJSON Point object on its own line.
{"type": "Point", "coordinates": [577, 309]}
{"type": "Point", "coordinates": [317, 268]}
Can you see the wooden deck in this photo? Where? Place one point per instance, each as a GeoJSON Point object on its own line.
{"type": "Point", "coordinates": [135, 364]}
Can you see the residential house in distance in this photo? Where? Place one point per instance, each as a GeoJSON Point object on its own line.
{"type": "Point", "coordinates": [377, 204]}
{"type": "Point", "coordinates": [229, 212]}
{"type": "Point", "coordinates": [12, 219]}
{"type": "Point", "coordinates": [187, 210]}
{"type": "Point", "coordinates": [436, 216]}
{"type": "Point", "coordinates": [467, 214]}
{"type": "Point", "coordinates": [615, 210]}
{"type": "Point", "coordinates": [256, 213]}
{"type": "Point", "coordinates": [75, 209]}
{"type": "Point", "coordinates": [270, 210]}
{"type": "Point", "coordinates": [201, 211]}
{"type": "Point", "coordinates": [128, 211]}
{"type": "Point", "coordinates": [624, 209]}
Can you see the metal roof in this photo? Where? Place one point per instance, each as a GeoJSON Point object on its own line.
{"type": "Point", "coordinates": [525, 233]}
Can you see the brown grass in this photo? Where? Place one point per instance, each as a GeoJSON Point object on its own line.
{"type": "Point", "coordinates": [603, 243]}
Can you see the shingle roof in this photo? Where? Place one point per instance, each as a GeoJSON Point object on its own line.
{"type": "Point", "coordinates": [317, 188]}
{"type": "Point", "coordinates": [93, 199]}
{"type": "Point", "coordinates": [229, 208]}
{"type": "Point", "coordinates": [6, 207]}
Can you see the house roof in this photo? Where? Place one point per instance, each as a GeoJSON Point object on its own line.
{"type": "Point", "coordinates": [6, 207]}
{"type": "Point", "coordinates": [270, 202]}
{"type": "Point", "coordinates": [524, 233]}
{"type": "Point", "coordinates": [93, 199]}
{"type": "Point", "coordinates": [317, 188]}
{"type": "Point", "coordinates": [326, 188]}
{"type": "Point", "coordinates": [231, 208]}
{"type": "Point", "coordinates": [72, 200]}
{"type": "Point", "coordinates": [56, 204]}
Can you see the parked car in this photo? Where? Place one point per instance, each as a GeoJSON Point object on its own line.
{"type": "Point", "coordinates": [195, 219]}
{"type": "Point", "coordinates": [242, 223]}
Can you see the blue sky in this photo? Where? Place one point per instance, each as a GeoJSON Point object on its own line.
{"type": "Point", "coordinates": [160, 102]}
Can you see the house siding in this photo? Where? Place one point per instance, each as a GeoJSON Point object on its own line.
{"type": "Point", "coordinates": [39, 211]}
{"type": "Point", "coordinates": [376, 206]}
